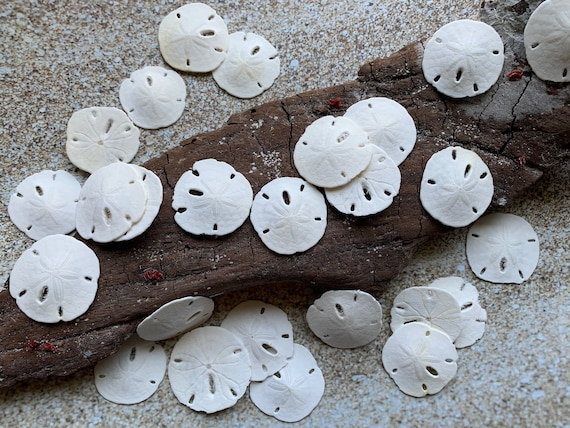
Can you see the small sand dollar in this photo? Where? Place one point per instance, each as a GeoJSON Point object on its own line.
{"type": "Point", "coordinates": [112, 199]}
{"type": "Point", "coordinates": [133, 374]}
{"type": "Point", "coordinates": [153, 97]}
{"type": "Point", "coordinates": [193, 38]}
{"type": "Point", "coordinates": [473, 316]}
{"type": "Point", "coordinates": [44, 204]}
{"type": "Point", "coordinates": [154, 192]}
{"type": "Point", "coordinates": [289, 215]}
{"type": "Point", "coordinates": [176, 317]}
{"type": "Point", "coordinates": [502, 248]}
{"type": "Point", "coordinates": [332, 151]}
{"type": "Point", "coordinates": [292, 393]}
{"type": "Point", "coordinates": [457, 187]}
{"type": "Point", "coordinates": [547, 40]}
{"type": "Point", "coordinates": [98, 136]}
{"type": "Point", "coordinates": [420, 359]}
{"type": "Point", "coordinates": [266, 333]}
{"type": "Point", "coordinates": [371, 191]}
{"type": "Point", "coordinates": [55, 279]}
{"type": "Point", "coordinates": [388, 123]}
{"type": "Point", "coordinates": [345, 318]}
{"type": "Point", "coordinates": [432, 306]}
{"type": "Point", "coordinates": [209, 369]}
{"type": "Point", "coordinates": [463, 58]}
{"type": "Point", "coordinates": [211, 199]}
{"type": "Point", "coordinates": [251, 66]}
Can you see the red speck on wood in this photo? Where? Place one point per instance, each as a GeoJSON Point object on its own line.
{"type": "Point", "coordinates": [335, 102]}
{"type": "Point", "coordinates": [32, 344]}
{"type": "Point", "coordinates": [48, 347]}
{"type": "Point", "coordinates": [151, 274]}
{"type": "Point", "coordinates": [515, 75]}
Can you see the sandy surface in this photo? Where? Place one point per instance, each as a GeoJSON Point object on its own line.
{"type": "Point", "coordinates": [59, 57]}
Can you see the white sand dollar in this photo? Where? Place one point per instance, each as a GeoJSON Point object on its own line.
{"type": "Point", "coordinates": [193, 38]}
{"type": "Point", "coordinates": [457, 186]}
{"type": "Point", "coordinates": [55, 279]}
{"type": "Point", "coordinates": [44, 204]}
{"type": "Point", "coordinates": [473, 316]}
{"type": "Point", "coordinates": [209, 369]}
{"type": "Point", "coordinates": [388, 124]}
{"type": "Point", "coordinates": [289, 215]}
{"type": "Point", "coordinates": [463, 58]}
{"type": "Point", "coordinates": [345, 318]}
{"type": "Point", "coordinates": [432, 306]}
{"type": "Point", "coordinates": [251, 66]}
{"type": "Point", "coordinates": [176, 317]}
{"type": "Point", "coordinates": [420, 359]}
{"type": "Point", "coordinates": [98, 136]}
{"type": "Point", "coordinates": [154, 193]}
{"type": "Point", "coordinates": [112, 199]}
{"type": "Point", "coordinates": [332, 151]}
{"type": "Point", "coordinates": [547, 41]}
{"type": "Point", "coordinates": [133, 373]}
{"type": "Point", "coordinates": [371, 191]}
{"type": "Point", "coordinates": [266, 333]}
{"type": "Point", "coordinates": [211, 199]}
{"type": "Point", "coordinates": [292, 393]}
{"type": "Point", "coordinates": [502, 248]}
{"type": "Point", "coordinates": [153, 97]}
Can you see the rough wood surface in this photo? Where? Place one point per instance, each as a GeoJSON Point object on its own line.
{"type": "Point", "coordinates": [519, 128]}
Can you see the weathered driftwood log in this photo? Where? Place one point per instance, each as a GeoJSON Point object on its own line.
{"type": "Point", "coordinates": [519, 128]}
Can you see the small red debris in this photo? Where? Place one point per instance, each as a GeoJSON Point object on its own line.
{"type": "Point", "coordinates": [335, 102]}
{"type": "Point", "coordinates": [515, 75]}
{"type": "Point", "coordinates": [151, 274]}
{"type": "Point", "coordinates": [48, 347]}
{"type": "Point", "coordinates": [522, 160]}
{"type": "Point", "coordinates": [32, 344]}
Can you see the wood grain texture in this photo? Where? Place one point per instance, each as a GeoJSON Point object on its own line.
{"type": "Point", "coordinates": [519, 128]}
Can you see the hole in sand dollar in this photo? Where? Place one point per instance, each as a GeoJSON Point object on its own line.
{"type": "Point", "coordinates": [43, 293]}
{"type": "Point", "coordinates": [432, 371]}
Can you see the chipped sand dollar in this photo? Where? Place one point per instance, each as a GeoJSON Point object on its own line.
{"type": "Point", "coordinates": [421, 360]}
{"type": "Point", "coordinates": [289, 215]}
{"type": "Point", "coordinates": [502, 248]}
{"type": "Point", "coordinates": [457, 186]}
{"type": "Point", "coordinates": [332, 151]}
{"type": "Point", "coordinates": [133, 374]}
{"type": "Point", "coordinates": [193, 38]}
{"type": "Point", "coordinates": [292, 393]}
{"type": "Point", "coordinates": [153, 97]}
{"type": "Point", "coordinates": [473, 316]}
{"type": "Point", "coordinates": [251, 66]}
{"type": "Point", "coordinates": [44, 204]}
{"type": "Point", "coordinates": [371, 191]}
{"type": "Point", "coordinates": [98, 136]}
{"type": "Point", "coordinates": [111, 201]}
{"type": "Point", "coordinates": [388, 124]}
{"type": "Point", "coordinates": [547, 41]}
{"type": "Point", "coordinates": [266, 333]}
{"type": "Point", "coordinates": [154, 192]}
{"type": "Point", "coordinates": [176, 317]}
{"type": "Point", "coordinates": [211, 199]}
{"type": "Point", "coordinates": [432, 306]}
{"type": "Point", "coordinates": [55, 279]}
{"type": "Point", "coordinates": [209, 369]}
{"type": "Point", "coordinates": [345, 318]}
{"type": "Point", "coordinates": [463, 58]}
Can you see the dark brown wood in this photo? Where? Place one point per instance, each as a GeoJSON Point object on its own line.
{"type": "Point", "coordinates": [520, 128]}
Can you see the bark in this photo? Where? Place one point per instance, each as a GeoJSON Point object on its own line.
{"type": "Point", "coordinates": [519, 128]}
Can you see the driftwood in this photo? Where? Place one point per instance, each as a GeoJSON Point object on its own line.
{"type": "Point", "coordinates": [519, 128]}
